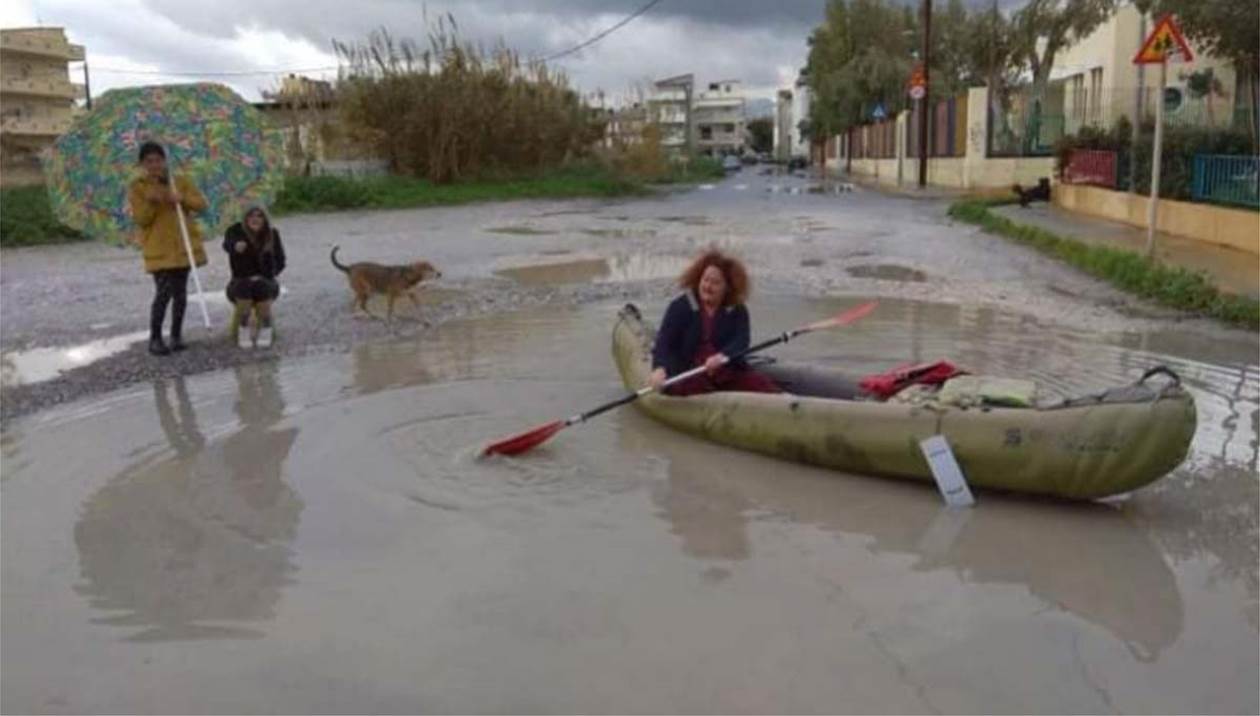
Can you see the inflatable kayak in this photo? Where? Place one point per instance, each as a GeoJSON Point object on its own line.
{"type": "Point", "coordinates": [1089, 447]}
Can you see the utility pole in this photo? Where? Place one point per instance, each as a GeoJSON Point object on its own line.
{"type": "Point", "coordinates": [691, 148]}
{"type": "Point", "coordinates": [1139, 106]}
{"type": "Point", "coordinates": [87, 85]}
{"type": "Point", "coordinates": [925, 104]}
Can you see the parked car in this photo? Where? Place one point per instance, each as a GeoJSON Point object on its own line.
{"type": "Point", "coordinates": [797, 163]}
{"type": "Point", "coordinates": [731, 163]}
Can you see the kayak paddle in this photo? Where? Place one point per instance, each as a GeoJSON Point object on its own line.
{"type": "Point", "coordinates": [528, 440]}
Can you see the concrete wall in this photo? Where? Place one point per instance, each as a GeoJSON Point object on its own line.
{"type": "Point", "coordinates": [975, 170]}
{"type": "Point", "coordinates": [1237, 228]}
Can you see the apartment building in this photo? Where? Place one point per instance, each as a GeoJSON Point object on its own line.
{"type": "Point", "coordinates": [37, 98]}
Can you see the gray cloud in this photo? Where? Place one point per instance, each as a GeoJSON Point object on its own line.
{"type": "Point", "coordinates": [759, 42]}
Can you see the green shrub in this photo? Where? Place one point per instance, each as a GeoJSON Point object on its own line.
{"type": "Point", "coordinates": [1171, 286]}
{"type": "Point", "coordinates": [394, 192]}
{"type": "Point", "coordinates": [1180, 145]}
{"type": "Point", "coordinates": [26, 219]}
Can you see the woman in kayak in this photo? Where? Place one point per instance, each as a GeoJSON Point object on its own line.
{"type": "Point", "coordinates": [703, 326]}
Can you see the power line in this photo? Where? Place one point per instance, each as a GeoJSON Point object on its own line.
{"type": "Point", "coordinates": [605, 33]}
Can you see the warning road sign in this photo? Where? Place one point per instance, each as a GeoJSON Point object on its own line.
{"type": "Point", "coordinates": [1164, 43]}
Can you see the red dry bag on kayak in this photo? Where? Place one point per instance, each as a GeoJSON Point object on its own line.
{"type": "Point", "coordinates": [886, 385]}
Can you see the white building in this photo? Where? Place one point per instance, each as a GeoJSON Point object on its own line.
{"type": "Point", "coordinates": [791, 137]}
{"type": "Point", "coordinates": [670, 107]}
{"type": "Point", "coordinates": [718, 117]}
{"type": "Point", "coordinates": [800, 117]}
{"type": "Point", "coordinates": [1094, 81]}
{"type": "Point", "coordinates": [783, 125]}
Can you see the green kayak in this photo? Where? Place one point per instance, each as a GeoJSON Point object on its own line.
{"type": "Point", "coordinates": [1084, 448]}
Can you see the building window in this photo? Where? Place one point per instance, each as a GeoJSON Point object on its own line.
{"type": "Point", "coordinates": [1077, 87]}
{"type": "Point", "coordinates": [1095, 95]}
{"type": "Point", "coordinates": [728, 128]}
{"type": "Point", "coordinates": [706, 132]}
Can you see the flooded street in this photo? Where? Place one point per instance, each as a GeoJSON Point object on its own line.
{"type": "Point", "coordinates": [316, 534]}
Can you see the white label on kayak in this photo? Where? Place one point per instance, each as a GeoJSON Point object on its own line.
{"type": "Point", "coordinates": [949, 477]}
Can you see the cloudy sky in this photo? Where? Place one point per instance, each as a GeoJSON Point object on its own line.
{"type": "Point", "coordinates": [132, 42]}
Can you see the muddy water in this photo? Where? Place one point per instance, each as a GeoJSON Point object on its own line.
{"type": "Point", "coordinates": [549, 270]}
{"type": "Point", "coordinates": [317, 536]}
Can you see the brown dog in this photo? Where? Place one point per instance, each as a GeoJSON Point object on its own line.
{"type": "Point", "coordinates": [367, 278]}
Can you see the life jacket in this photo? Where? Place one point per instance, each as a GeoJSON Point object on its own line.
{"type": "Point", "coordinates": [886, 385]}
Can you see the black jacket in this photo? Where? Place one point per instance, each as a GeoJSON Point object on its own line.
{"type": "Point", "coordinates": [255, 261]}
{"type": "Point", "coordinates": [679, 335]}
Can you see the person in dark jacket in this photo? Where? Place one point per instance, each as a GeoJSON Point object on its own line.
{"type": "Point", "coordinates": [703, 326]}
{"type": "Point", "coordinates": [257, 258]}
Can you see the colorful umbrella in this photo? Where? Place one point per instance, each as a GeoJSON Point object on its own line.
{"type": "Point", "coordinates": [222, 143]}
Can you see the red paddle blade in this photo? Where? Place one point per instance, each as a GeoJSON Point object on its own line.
{"type": "Point", "coordinates": [842, 319]}
{"type": "Point", "coordinates": [523, 442]}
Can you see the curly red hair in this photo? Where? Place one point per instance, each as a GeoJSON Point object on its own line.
{"type": "Point", "coordinates": [733, 270]}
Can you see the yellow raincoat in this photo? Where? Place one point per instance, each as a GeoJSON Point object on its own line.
{"type": "Point", "coordinates": [159, 226]}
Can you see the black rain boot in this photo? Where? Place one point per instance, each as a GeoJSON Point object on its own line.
{"type": "Point", "coordinates": [178, 304]}
{"type": "Point", "coordinates": [156, 315]}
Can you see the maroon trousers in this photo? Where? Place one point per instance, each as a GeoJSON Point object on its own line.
{"type": "Point", "coordinates": [741, 379]}
{"type": "Point", "coordinates": [726, 378]}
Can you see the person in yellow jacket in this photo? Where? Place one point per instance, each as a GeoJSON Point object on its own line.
{"type": "Point", "coordinates": [153, 205]}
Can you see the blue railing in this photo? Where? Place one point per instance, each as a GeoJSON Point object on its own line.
{"type": "Point", "coordinates": [1224, 179]}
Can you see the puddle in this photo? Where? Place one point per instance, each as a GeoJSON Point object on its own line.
{"type": "Point", "coordinates": [688, 220]}
{"type": "Point", "coordinates": [568, 212]}
{"type": "Point", "coordinates": [831, 189]}
{"type": "Point", "coordinates": [243, 517]}
{"type": "Point", "coordinates": [812, 263]}
{"type": "Point", "coordinates": [563, 272]}
{"type": "Point", "coordinates": [887, 272]}
{"type": "Point", "coordinates": [521, 231]}
{"type": "Point", "coordinates": [39, 364]}
{"type": "Point", "coordinates": [617, 269]}
{"type": "Point", "coordinates": [619, 233]}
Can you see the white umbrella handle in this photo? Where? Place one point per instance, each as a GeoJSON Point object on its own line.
{"type": "Point", "coordinates": [192, 260]}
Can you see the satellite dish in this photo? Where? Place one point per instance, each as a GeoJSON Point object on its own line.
{"type": "Point", "coordinates": [1174, 97]}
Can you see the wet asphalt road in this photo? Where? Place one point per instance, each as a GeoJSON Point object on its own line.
{"type": "Point", "coordinates": [799, 236]}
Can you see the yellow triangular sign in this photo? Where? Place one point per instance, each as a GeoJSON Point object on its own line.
{"type": "Point", "coordinates": [1164, 43]}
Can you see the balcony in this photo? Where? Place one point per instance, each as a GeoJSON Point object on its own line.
{"type": "Point", "coordinates": [42, 87]}
{"type": "Point", "coordinates": [42, 44]}
{"type": "Point", "coordinates": [722, 140]}
{"type": "Point", "coordinates": [35, 126]}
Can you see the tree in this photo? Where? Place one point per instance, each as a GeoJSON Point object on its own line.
{"type": "Point", "coordinates": [1229, 29]}
{"type": "Point", "coordinates": [952, 70]}
{"type": "Point", "coordinates": [860, 57]}
{"type": "Point", "coordinates": [762, 133]}
{"type": "Point", "coordinates": [995, 59]}
{"type": "Point", "coordinates": [1044, 27]}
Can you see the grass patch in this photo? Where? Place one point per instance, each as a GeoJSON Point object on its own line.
{"type": "Point", "coordinates": [697, 170]}
{"type": "Point", "coordinates": [303, 194]}
{"type": "Point", "coordinates": [26, 219]}
{"type": "Point", "coordinates": [1171, 286]}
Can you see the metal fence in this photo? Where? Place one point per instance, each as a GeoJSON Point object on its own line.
{"type": "Point", "coordinates": [875, 141]}
{"type": "Point", "coordinates": [947, 129]}
{"type": "Point", "coordinates": [1091, 166]}
{"type": "Point", "coordinates": [1223, 179]}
